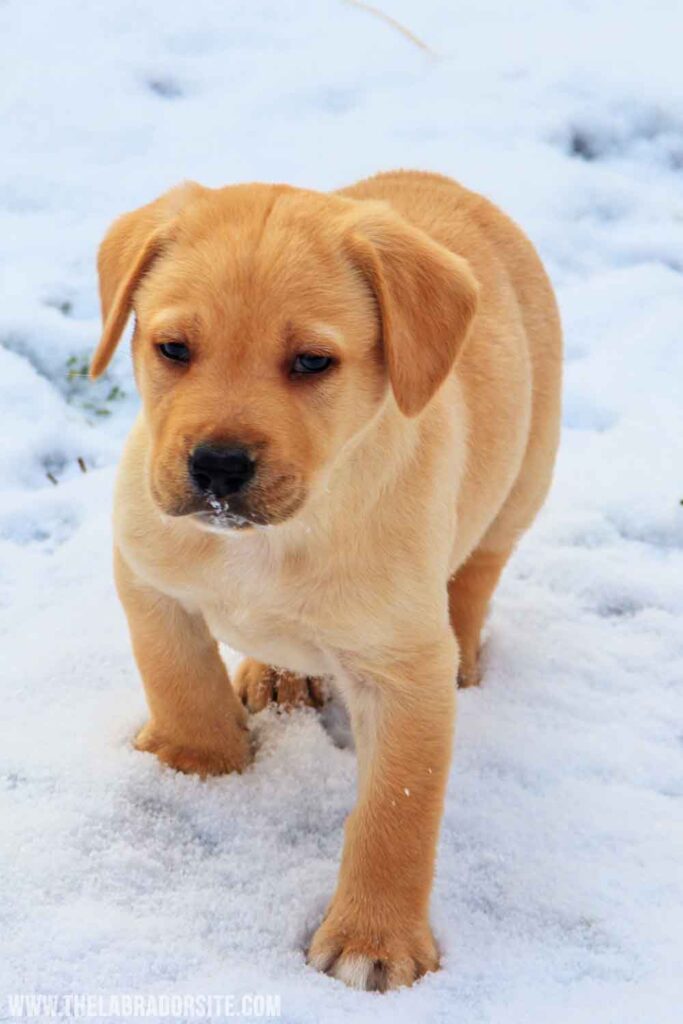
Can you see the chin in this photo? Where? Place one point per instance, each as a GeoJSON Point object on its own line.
{"type": "Point", "coordinates": [218, 522]}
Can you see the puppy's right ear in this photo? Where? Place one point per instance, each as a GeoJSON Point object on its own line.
{"type": "Point", "coordinates": [129, 248]}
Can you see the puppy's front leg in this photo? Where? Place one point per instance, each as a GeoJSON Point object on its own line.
{"type": "Point", "coordinates": [196, 724]}
{"type": "Point", "coordinates": [376, 934]}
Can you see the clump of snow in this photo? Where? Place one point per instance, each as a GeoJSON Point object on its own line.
{"type": "Point", "coordinates": [559, 891]}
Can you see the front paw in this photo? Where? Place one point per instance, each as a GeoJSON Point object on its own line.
{"type": "Point", "coordinates": [258, 685]}
{"type": "Point", "coordinates": [372, 955]}
{"type": "Point", "coordinates": [195, 758]}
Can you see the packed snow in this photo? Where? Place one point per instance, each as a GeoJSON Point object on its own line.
{"type": "Point", "coordinates": [560, 882]}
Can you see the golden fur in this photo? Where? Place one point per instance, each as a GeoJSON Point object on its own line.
{"type": "Point", "coordinates": [389, 494]}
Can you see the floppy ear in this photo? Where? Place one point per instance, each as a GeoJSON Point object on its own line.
{"type": "Point", "coordinates": [427, 297]}
{"type": "Point", "coordinates": [128, 250]}
{"type": "Point", "coordinates": [117, 288]}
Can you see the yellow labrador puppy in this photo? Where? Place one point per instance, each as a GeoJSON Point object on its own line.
{"type": "Point", "coordinates": [350, 415]}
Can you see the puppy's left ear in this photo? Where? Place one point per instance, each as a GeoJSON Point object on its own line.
{"type": "Point", "coordinates": [128, 250]}
{"type": "Point", "coordinates": [426, 296]}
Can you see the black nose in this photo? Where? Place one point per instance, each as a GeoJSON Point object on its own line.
{"type": "Point", "coordinates": [221, 471]}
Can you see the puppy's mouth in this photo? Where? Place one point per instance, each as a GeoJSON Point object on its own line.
{"type": "Point", "coordinates": [220, 516]}
{"type": "Point", "coordinates": [255, 509]}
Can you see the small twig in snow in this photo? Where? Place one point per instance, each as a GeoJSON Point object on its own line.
{"type": "Point", "coordinates": [394, 24]}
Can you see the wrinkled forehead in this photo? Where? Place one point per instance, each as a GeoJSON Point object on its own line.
{"type": "Point", "coordinates": [252, 266]}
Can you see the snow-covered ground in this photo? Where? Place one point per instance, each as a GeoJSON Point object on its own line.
{"type": "Point", "coordinates": [559, 889]}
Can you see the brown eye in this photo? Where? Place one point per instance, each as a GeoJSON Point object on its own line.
{"type": "Point", "coordinates": [175, 351]}
{"type": "Point", "coordinates": [309, 362]}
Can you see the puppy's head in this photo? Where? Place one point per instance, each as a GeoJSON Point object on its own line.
{"type": "Point", "coordinates": [271, 327]}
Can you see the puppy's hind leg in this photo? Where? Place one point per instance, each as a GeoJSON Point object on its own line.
{"type": "Point", "coordinates": [469, 593]}
{"type": "Point", "coordinates": [472, 586]}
